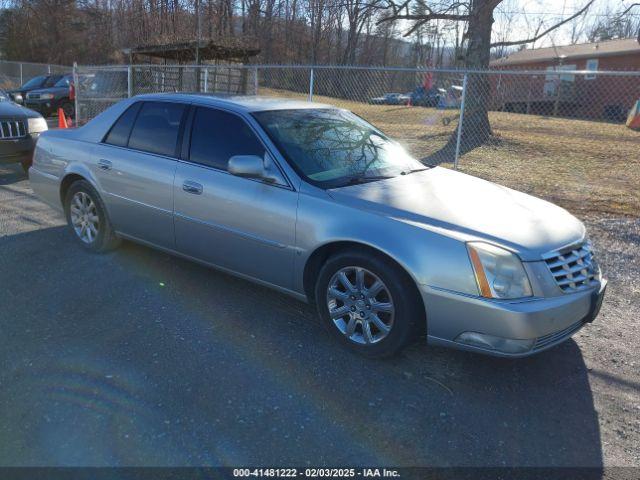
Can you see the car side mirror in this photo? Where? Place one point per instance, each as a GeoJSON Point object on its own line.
{"type": "Point", "coordinates": [253, 166]}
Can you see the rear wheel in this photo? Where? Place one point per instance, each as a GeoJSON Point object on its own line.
{"type": "Point", "coordinates": [88, 219]}
{"type": "Point", "coordinates": [368, 303]}
{"type": "Point", "coordinates": [68, 109]}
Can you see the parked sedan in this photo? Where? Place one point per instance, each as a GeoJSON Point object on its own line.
{"type": "Point", "coordinates": [317, 203]}
{"type": "Point", "coordinates": [390, 99]}
{"type": "Point", "coordinates": [47, 101]}
{"type": "Point", "coordinates": [19, 130]}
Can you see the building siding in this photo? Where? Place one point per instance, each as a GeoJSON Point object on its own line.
{"type": "Point", "coordinates": [604, 97]}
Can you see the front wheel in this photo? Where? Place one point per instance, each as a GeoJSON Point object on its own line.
{"type": "Point", "coordinates": [26, 164]}
{"type": "Point", "coordinates": [68, 109]}
{"type": "Point", "coordinates": [368, 303]}
{"type": "Point", "coordinates": [88, 219]}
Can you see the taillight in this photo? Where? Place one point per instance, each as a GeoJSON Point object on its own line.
{"type": "Point", "coordinates": [72, 91]}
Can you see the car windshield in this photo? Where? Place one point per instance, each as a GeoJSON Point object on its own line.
{"type": "Point", "coordinates": [63, 82]}
{"type": "Point", "coordinates": [105, 82]}
{"type": "Point", "coordinates": [34, 82]}
{"type": "Point", "coordinates": [333, 148]}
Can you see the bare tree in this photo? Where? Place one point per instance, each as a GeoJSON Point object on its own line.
{"type": "Point", "coordinates": [478, 17]}
{"type": "Point", "coordinates": [616, 24]}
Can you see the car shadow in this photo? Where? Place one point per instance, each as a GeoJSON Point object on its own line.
{"type": "Point", "coordinates": [140, 358]}
{"type": "Point", "coordinates": [11, 173]}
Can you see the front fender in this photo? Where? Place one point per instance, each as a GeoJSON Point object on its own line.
{"type": "Point", "coordinates": [428, 257]}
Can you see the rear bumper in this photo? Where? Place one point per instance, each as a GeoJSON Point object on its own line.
{"type": "Point", "coordinates": [18, 150]}
{"type": "Point", "coordinates": [513, 329]}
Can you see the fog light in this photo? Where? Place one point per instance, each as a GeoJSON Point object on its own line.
{"type": "Point", "coordinates": [499, 344]}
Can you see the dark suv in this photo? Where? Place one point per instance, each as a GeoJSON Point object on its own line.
{"type": "Point", "coordinates": [19, 130]}
{"type": "Point", "coordinates": [41, 81]}
{"type": "Point", "coordinates": [47, 101]}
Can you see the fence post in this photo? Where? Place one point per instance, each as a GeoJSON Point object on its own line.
{"type": "Point", "coordinates": [556, 104]}
{"type": "Point", "coordinates": [311, 86]}
{"type": "Point", "coordinates": [76, 91]}
{"type": "Point", "coordinates": [21, 79]}
{"type": "Point", "coordinates": [461, 120]}
{"type": "Point", "coordinates": [529, 95]}
{"type": "Point", "coordinates": [49, 68]}
{"type": "Point", "coordinates": [255, 80]}
{"type": "Point", "coordinates": [206, 80]}
{"type": "Point", "coordinates": [129, 81]}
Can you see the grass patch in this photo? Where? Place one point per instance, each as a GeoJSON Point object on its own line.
{"type": "Point", "coordinates": [584, 166]}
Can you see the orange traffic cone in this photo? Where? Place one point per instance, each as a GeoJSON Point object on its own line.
{"type": "Point", "coordinates": [62, 120]}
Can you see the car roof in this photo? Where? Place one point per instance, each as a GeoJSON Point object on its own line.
{"type": "Point", "coordinates": [246, 103]}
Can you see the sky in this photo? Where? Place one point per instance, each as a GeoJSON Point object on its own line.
{"type": "Point", "coordinates": [529, 13]}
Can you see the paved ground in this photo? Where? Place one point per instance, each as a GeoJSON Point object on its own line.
{"type": "Point", "coordinates": [139, 358]}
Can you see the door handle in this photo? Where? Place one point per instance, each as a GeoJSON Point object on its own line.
{"type": "Point", "coordinates": [192, 187]}
{"type": "Point", "coordinates": [104, 164]}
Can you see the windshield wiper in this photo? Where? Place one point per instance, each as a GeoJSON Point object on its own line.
{"type": "Point", "coordinates": [366, 179]}
{"type": "Point", "coordinates": [414, 170]}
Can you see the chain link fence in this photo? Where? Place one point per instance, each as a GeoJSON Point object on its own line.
{"type": "Point", "coordinates": [14, 74]}
{"type": "Point", "coordinates": [100, 87]}
{"type": "Point", "coordinates": [438, 114]}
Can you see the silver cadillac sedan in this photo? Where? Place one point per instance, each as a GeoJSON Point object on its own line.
{"type": "Point", "coordinates": [315, 202]}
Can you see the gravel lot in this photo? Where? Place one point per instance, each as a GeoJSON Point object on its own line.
{"type": "Point", "coordinates": [139, 358]}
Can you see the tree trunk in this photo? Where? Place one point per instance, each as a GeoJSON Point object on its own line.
{"type": "Point", "coordinates": [476, 129]}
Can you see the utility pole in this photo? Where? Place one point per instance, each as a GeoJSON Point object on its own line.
{"type": "Point", "coordinates": [198, 45]}
{"type": "Point", "coordinates": [197, 32]}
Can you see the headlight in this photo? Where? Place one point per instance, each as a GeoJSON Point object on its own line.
{"type": "Point", "coordinates": [37, 125]}
{"type": "Point", "coordinates": [499, 273]}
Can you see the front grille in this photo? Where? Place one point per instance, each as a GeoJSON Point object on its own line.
{"type": "Point", "coordinates": [550, 338]}
{"type": "Point", "coordinates": [10, 129]}
{"type": "Point", "coordinates": [33, 96]}
{"type": "Point", "coordinates": [573, 268]}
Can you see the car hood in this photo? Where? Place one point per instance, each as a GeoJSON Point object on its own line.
{"type": "Point", "coordinates": [22, 91]}
{"type": "Point", "coordinates": [13, 110]}
{"type": "Point", "coordinates": [54, 90]}
{"type": "Point", "coordinates": [468, 208]}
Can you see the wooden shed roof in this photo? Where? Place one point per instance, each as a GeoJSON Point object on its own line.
{"type": "Point", "coordinates": [230, 49]}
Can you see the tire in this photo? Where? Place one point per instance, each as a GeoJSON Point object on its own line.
{"type": "Point", "coordinates": [403, 323]}
{"type": "Point", "coordinates": [68, 108]}
{"type": "Point", "coordinates": [83, 205]}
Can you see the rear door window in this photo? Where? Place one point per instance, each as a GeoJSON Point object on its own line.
{"type": "Point", "coordinates": [156, 128]}
{"type": "Point", "coordinates": [120, 131]}
{"type": "Point", "coordinates": [216, 136]}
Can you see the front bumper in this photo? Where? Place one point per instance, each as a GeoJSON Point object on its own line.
{"type": "Point", "coordinates": [534, 324]}
{"type": "Point", "coordinates": [18, 150]}
{"type": "Point", "coordinates": [44, 107]}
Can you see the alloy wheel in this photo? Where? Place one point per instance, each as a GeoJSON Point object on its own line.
{"type": "Point", "coordinates": [360, 305]}
{"type": "Point", "coordinates": [84, 217]}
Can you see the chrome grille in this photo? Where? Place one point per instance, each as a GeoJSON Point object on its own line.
{"type": "Point", "coordinates": [10, 129]}
{"type": "Point", "coordinates": [573, 268]}
{"type": "Point", "coordinates": [550, 338]}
